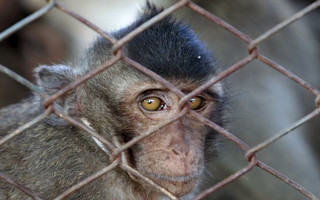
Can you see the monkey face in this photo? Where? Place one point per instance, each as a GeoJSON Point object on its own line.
{"type": "Point", "coordinates": [172, 156]}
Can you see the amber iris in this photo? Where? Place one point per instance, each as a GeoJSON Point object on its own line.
{"type": "Point", "coordinates": [151, 103]}
{"type": "Point", "coordinates": [196, 103]}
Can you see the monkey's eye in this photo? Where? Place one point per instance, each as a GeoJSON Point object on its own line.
{"type": "Point", "coordinates": [196, 103]}
{"type": "Point", "coordinates": [152, 104]}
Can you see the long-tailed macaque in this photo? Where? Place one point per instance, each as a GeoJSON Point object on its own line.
{"type": "Point", "coordinates": [121, 103]}
{"type": "Point", "coordinates": [264, 102]}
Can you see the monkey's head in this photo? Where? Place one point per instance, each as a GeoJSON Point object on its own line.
{"type": "Point", "coordinates": [122, 102]}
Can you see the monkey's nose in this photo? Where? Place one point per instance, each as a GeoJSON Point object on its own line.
{"type": "Point", "coordinates": [182, 159]}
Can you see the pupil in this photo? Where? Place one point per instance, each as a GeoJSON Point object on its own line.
{"type": "Point", "coordinates": [150, 101]}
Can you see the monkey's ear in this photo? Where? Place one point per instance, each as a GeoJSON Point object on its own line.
{"type": "Point", "coordinates": [53, 78]}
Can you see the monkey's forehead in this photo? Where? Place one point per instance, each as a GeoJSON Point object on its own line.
{"type": "Point", "coordinates": [169, 54]}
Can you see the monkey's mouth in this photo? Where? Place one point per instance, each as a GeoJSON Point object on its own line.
{"type": "Point", "coordinates": [162, 177]}
{"type": "Point", "coordinates": [176, 185]}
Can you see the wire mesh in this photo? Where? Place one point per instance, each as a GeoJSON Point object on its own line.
{"type": "Point", "coordinates": [115, 149]}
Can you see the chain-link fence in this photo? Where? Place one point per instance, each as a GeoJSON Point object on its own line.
{"type": "Point", "coordinates": [253, 54]}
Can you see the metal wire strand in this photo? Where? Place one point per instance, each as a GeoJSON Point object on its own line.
{"type": "Point", "coordinates": [116, 149]}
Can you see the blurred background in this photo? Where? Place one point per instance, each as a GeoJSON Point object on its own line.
{"type": "Point", "coordinates": [264, 102]}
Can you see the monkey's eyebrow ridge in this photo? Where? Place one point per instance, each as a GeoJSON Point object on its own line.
{"type": "Point", "coordinates": [212, 94]}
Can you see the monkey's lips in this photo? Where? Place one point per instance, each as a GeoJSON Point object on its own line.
{"type": "Point", "coordinates": [173, 178]}
{"type": "Point", "coordinates": [177, 185]}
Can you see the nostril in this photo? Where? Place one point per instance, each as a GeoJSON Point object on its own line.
{"type": "Point", "coordinates": [175, 152]}
{"type": "Point", "coordinates": [179, 147]}
{"type": "Point", "coordinates": [178, 154]}
{"type": "Point", "coordinates": [180, 151]}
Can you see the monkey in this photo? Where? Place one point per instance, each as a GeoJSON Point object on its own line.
{"type": "Point", "coordinates": [122, 103]}
{"type": "Point", "coordinates": [291, 155]}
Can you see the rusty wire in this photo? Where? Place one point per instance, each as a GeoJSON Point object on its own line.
{"type": "Point", "coordinates": [283, 24]}
{"type": "Point", "coordinates": [254, 54]}
{"type": "Point", "coordinates": [287, 180]}
{"type": "Point", "coordinates": [27, 125]}
{"type": "Point", "coordinates": [227, 180]}
{"type": "Point", "coordinates": [6, 33]}
{"type": "Point", "coordinates": [147, 180]}
{"type": "Point", "coordinates": [88, 180]}
{"type": "Point", "coordinates": [21, 187]}
{"type": "Point", "coordinates": [89, 131]}
{"type": "Point", "coordinates": [277, 136]}
{"type": "Point", "coordinates": [20, 79]}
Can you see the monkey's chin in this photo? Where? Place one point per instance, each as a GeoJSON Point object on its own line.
{"type": "Point", "coordinates": [176, 185]}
